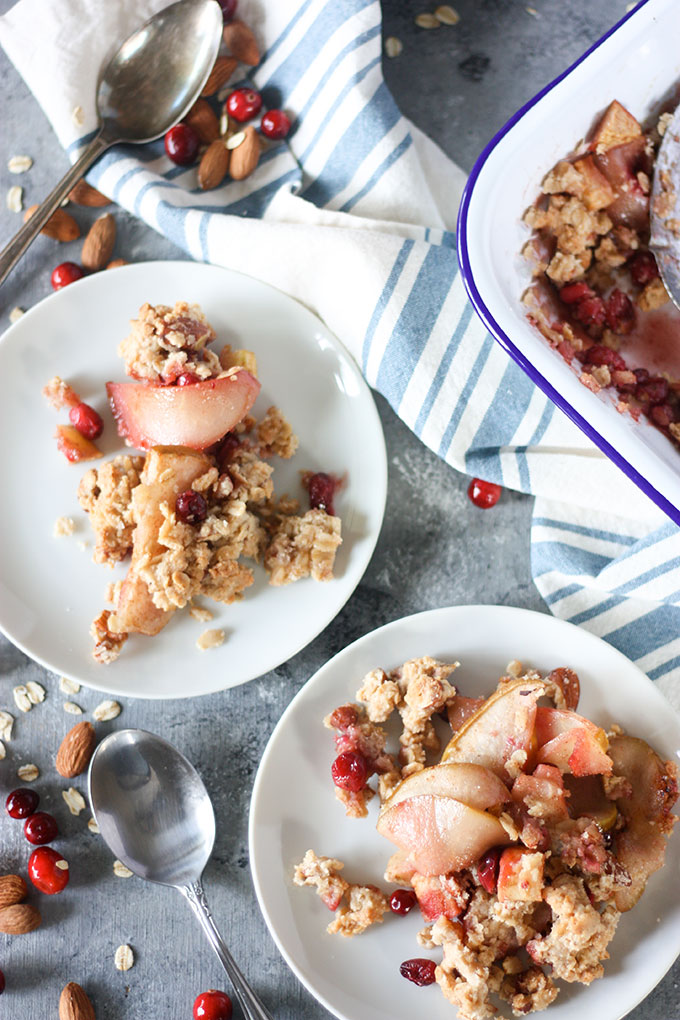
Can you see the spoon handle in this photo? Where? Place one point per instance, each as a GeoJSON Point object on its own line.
{"type": "Point", "coordinates": [252, 1007]}
{"type": "Point", "coordinates": [21, 240]}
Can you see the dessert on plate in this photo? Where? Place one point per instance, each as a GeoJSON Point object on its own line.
{"type": "Point", "coordinates": [521, 847]}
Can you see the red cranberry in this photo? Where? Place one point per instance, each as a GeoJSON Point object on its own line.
{"type": "Point", "coordinates": [48, 871]}
{"type": "Point", "coordinates": [212, 1005]}
{"type": "Point", "coordinates": [186, 379]}
{"type": "Point", "coordinates": [483, 494]}
{"type": "Point", "coordinates": [181, 144]}
{"type": "Point", "coordinates": [487, 870]}
{"type": "Point", "coordinates": [191, 507]}
{"type": "Point", "coordinates": [420, 971]}
{"type": "Point", "coordinates": [591, 312]}
{"type": "Point", "coordinates": [243, 104]}
{"type": "Point", "coordinates": [663, 415]}
{"type": "Point", "coordinates": [22, 802]}
{"type": "Point", "coordinates": [228, 9]}
{"type": "Point", "coordinates": [230, 444]}
{"type": "Point", "coordinates": [572, 293]}
{"type": "Point", "coordinates": [653, 390]}
{"type": "Point", "coordinates": [402, 901]}
{"type": "Point", "coordinates": [600, 354]}
{"type": "Point", "coordinates": [40, 828]}
{"type": "Point", "coordinates": [65, 273]}
{"type": "Point", "coordinates": [2, 982]}
{"type": "Point", "coordinates": [350, 771]}
{"type": "Point", "coordinates": [275, 125]}
{"type": "Point", "coordinates": [321, 488]}
{"type": "Point", "coordinates": [619, 313]}
{"type": "Point", "coordinates": [86, 420]}
{"type": "Point", "coordinates": [343, 717]}
{"type": "Point", "coordinates": [643, 267]}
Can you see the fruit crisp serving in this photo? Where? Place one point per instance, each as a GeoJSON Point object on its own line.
{"type": "Point", "coordinates": [597, 295]}
{"type": "Point", "coordinates": [521, 847]}
{"type": "Point", "coordinates": [199, 499]}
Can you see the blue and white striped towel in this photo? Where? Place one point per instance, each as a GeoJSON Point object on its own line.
{"type": "Point", "coordinates": [355, 218]}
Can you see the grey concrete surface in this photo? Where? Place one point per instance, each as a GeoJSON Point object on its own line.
{"type": "Point", "coordinates": [459, 84]}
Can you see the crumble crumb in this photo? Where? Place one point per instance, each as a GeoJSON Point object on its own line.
{"type": "Point", "coordinates": [210, 639]}
{"type": "Point", "coordinates": [63, 526]}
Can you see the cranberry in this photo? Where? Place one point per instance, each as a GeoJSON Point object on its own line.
{"type": "Point", "coordinates": [186, 379]}
{"type": "Point", "coordinates": [2, 982]}
{"type": "Point", "coordinates": [40, 828]}
{"type": "Point", "coordinates": [228, 8]}
{"type": "Point", "coordinates": [350, 771]}
{"type": "Point", "coordinates": [230, 444]}
{"type": "Point", "coordinates": [619, 313]}
{"type": "Point", "coordinates": [483, 494]}
{"type": "Point", "coordinates": [572, 293]}
{"type": "Point", "coordinates": [663, 415]}
{"type": "Point", "coordinates": [342, 717]}
{"type": "Point", "coordinates": [86, 420]}
{"type": "Point", "coordinates": [321, 488]}
{"type": "Point", "coordinates": [402, 901]}
{"type": "Point", "coordinates": [243, 104]}
{"type": "Point", "coordinates": [275, 125]}
{"type": "Point", "coordinates": [643, 267]}
{"type": "Point", "coordinates": [191, 507]}
{"type": "Point", "coordinates": [212, 1005]}
{"type": "Point", "coordinates": [22, 802]}
{"type": "Point", "coordinates": [591, 312]}
{"type": "Point", "coordinates": [48, 871]}
{"type": "Point", "coordinates": [420, 971]}
{"type": "Point", "coordinates": [600, 354]}
{"type": "Point", "coordinates": [181, 144]}
{"type": "Point", "coordinates": [65, 273]}
{"type": "Point", "coordinates": [653, 390]}
{"type": "Point", "coordinates": [487, 870]}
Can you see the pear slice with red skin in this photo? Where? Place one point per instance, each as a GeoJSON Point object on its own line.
{"type": "Point", "coordinates": [439, 833]}
{"type": "Point", "coordinates": [196, 415]}
{"type": "Point", "coordinates": [473, 785]}
{"type": "Point", "coordinates": [500, 728]}
{"type": "Point", "coordinates": [578, 751]}
{"type": "Point", "coordinates": [550, 722]}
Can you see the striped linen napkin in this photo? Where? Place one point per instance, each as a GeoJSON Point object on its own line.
{"type": "Point", "coordinates": [355, 218]}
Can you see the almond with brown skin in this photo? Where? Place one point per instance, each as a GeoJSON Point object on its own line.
{"type": "Point", "coordinates": [241, 42]}
{"type": "Point", "coordinates": [203, 119]}
{"type": "Point", "coordinates": [74, 1004]}
{"type": "Point", "coordinates": [75, 750]}
{"type": "Point", "coordinates": [213, 166]}
{"type": "Point", "coordinates": [12, 890]}
{"type": "Point", "coordinates": [19, 919]}
{"type": "Point", "coordinates": [244, 158]}
{"type": "Point", "coordinates": [98, 245]}
{"type": "Point", "coordinates": [84, 194]}
{"type": "Point", "coordinates": [222, 71]}
{"type": "Point", "coordinates": [61, 225]}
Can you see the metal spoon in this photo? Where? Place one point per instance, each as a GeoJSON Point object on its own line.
{"type": "Point", "coordinates": [155, 815]}
{"type": "Point", "coordinates": [143, 90]}
{"type": "Point", "coordinates": [664, 209]}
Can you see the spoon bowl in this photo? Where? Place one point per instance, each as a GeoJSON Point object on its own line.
{"type": "Point", "coordinates": [664, 209]}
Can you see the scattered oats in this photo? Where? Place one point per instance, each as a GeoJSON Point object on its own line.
{"type": "Point", "coordinates": [393, 46]}
{"type": "Point", "coordinates": [3, 752]}
{"type": "Point", "coordinates": [19, 164]}
{"type": "Point", "coordinates": [28, 773]}
{"type": "Point", "coordinates": [427, 21]}
{"type": "Point", "coordinates": [106, 711]}
{"type": "Point", "coordinates": [63, 526]}
{"type": "Point", "coordinates": [74, 799]}
{"type": "Point", "coordinates": [72, 708]}
{"type": "Point", "coordinates": [224, 122]}
{"type": "Point", "coordinates": [93, 827]}
{"type": "Point", "coordinates": [36, 692]}
{"type": "Point", "coordinates": [83, 544]}
{"type": "Point", "coordinates": [77, 116]}
{"type": "Point", "coordinates": [62, 865]}
{"type": "Point", "coordinates": [124, 958]}
{"type": "Point", "coordinates": [6, 724]}
{"type": "Point", "coordinates": [21, 698]}
{"type": "Point", "coordinates": [235, 140]}
{"type": "Point", "coordinates": [210, 639]}
{"type": "Point", "coordinates": [664, 121]}
{"type": "Point", "coordinates": [67, 686]}
{"type": "Point", "coordinates": [16, 314]}
{"type": "Point", "coordinates": [15, 198]}
{"type": "Point", "coordinates": [447, 15]}
{"type": "Point", "coordinates": [201, 614]}
{"type": "Point", "coordinates": [120, 871]}
{"type": "Point", "coordinates": [532, 11]}
{"type": "Point", "coordinates": [630, 7]}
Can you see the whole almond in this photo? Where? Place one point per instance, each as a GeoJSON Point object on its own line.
{"type": "Point", "coordinates": [61, 225]}
{"type": "Point", "coordinates": [83, 193]}
{"type": "Point", "coordinates": [12, 890]}
{"type": "Point", "coordinates": [222, 71]}
{"type": "Point", "coordinates": [241, 42]}
{"type": "Point", "coordinates": [19, 919]}
{"type": "Point", "coordinates": [213, 166]}
{"type": "Point", "coordinates": [245, 157]}
{"type": "Point", "coordinates": [75, 750]}
{"type": "Point", "coordinates": [98, 245]}
{"type": "Point", "coordinates": [74, 1004]}
{"type": "Point", "coordinates": [203, 119]}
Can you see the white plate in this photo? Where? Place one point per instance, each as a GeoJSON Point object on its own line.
{"type": "Point", "coordinates": [293, 809]}
{"type": "Point", "coordinates": [50, 590]}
